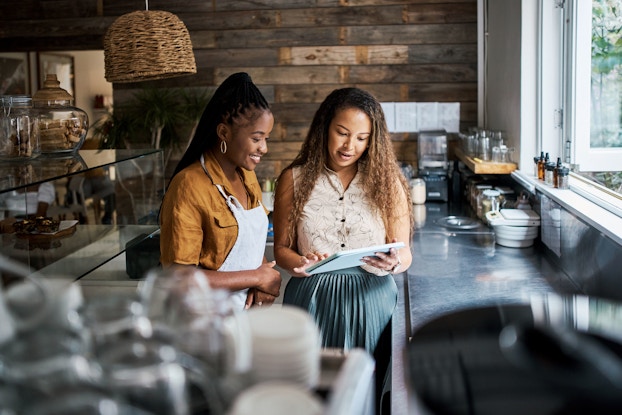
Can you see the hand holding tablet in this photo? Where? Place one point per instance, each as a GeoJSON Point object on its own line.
{"type": "Point", "coordinates": [350, 258]}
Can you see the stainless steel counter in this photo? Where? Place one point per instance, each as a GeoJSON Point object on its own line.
{"type": "Point", "coordinates": [455, 269]}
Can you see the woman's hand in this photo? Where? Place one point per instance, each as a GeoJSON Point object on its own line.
{"type": "Point", "coordinates": [268, 288]}
{"type": "Point", "coordinates": [307, 260]}
{"type": "Point", "coordinates": [257, 298]}
{"type": "Point", "coordinates": [390, 262]}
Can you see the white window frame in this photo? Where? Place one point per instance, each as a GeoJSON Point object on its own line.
{"type": "Point", "coordinates": [559, 87]}
{"type": "Point", "coordinates": [579, 17]}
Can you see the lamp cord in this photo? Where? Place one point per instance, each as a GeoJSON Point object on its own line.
{"type": "Point", "coordinates": [147, 5]}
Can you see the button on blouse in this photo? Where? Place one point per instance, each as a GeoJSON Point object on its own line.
{"type": "Point", "coordinates": [336, 219]}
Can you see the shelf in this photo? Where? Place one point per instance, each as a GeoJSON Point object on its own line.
{"type": "Point", "coordinates": [19, 174]}
{"type": "Point", "coordinates": [73, 256]}
{"type": "Point", "coordinates": [136, 178]}
{"type": "Point", "coordinates": [484, 167]}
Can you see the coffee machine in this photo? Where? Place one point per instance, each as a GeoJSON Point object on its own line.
{"type": "Point", "coordinates": [432, 164]}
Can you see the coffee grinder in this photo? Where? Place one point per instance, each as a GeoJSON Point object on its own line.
{"type": "Point", "coordinates": [432, 164]}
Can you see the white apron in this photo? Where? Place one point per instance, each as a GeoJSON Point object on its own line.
{"type": "Point", "coordinates": [249, 248]}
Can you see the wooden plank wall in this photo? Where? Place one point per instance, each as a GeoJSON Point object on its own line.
{"type": "Point", "coordinates": [297, 51]}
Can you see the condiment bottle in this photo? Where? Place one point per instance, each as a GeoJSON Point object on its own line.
{"type": "Point", "coordinates": [549, 174]}
{"type": "Point", "coordinates": [541, 163]}
{"type": "Point", "coordinates": [562, 178]}
{"type": "Point", "coordinates": [558, 167]}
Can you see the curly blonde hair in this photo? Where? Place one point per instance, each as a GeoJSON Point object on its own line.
{"type": "Point", "coordinates": [382, 178]}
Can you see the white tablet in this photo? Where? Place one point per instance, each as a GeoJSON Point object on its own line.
{"type": "Point", "coordinates": [349, 259]}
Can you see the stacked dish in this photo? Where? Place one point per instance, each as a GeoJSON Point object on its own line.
{"type": "Point", "coordinates": [514, 228]}
{"type": "Point", "coordinates": [276, 398]}
{"type": "Point", "coordinates": [286, 346]}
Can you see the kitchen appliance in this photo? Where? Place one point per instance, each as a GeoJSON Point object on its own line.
{"type": "Point", "coordinates": [432, 164]}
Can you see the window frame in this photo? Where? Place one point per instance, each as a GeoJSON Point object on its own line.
{"type": "Point", "coordinates": [564, 48]}
{"type": "Point", "coordinates": [578, 67]}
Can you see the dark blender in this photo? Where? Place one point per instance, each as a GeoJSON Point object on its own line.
{"type": "Point", "coordinates": [432, 164]}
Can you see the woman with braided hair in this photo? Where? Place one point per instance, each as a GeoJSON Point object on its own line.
{"type": "Point", "coordinates": [211, 215]}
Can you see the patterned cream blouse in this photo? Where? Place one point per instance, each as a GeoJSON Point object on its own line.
{"type": "Point", "coordinates": [335, 219]}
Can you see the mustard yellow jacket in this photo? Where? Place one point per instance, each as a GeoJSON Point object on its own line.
{"type": "Point", "coordinates": [196, 225]}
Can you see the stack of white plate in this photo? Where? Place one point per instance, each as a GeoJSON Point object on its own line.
{"type": "Point", "coordinates": [514, 228]}
{"type": "Point", "coordinates": [286, 346]}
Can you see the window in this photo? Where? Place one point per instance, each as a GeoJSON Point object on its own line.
{"type": "Point", "coordinates": [593, 96]}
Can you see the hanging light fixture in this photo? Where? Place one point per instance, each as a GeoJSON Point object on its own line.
{"type": "Point", "coordinates": [147, 45]}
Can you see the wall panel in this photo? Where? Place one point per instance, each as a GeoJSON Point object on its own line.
{"type": "Point", "coordinates": [297, 51]}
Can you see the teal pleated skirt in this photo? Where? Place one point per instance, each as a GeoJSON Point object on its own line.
{"type": "Point", "coordinates": [351, 307]}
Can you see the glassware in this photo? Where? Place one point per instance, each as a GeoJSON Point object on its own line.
{"type": "Point", "coordinates": [113, 319]}
{"type": "Point", "coordinates": [200, 319]}
{"type": "Point", "coordinates": [418, 191]}
{"type": "Point", "coordinates": [497, 138]}
{"type": "Point", "coordinates": [62, 127]}
{"type": "Point", "coordinates": [506, 154]}
{"type": "Point", "coordinates": [496, 154]}
{"type": "Point", "coordinates": [39, 364]}
{"type": "Point", "coordinates": [35, 303]}
{"type": "Point", "coordinates": [19, 131]}
{"type": "Point", "coordinates": [146, 374]}
{"type": "Point", "coordinates": [484, 146]}
{"type": "Point", "coordinates": [490, 202]}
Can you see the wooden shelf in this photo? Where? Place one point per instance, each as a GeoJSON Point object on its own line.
{"type": "Point", "coordinates": [484, 167]}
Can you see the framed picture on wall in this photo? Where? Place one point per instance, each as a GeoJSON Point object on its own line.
{"type": "Point", "coordinates": [14, 73]}
{"type": "Point", "coordinates": [59, 64]}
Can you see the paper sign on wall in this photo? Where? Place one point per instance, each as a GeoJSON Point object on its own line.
{"type": "Point", "coordinates": [409, 117]}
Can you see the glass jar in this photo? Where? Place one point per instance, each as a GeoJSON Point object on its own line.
{"type": "Point", "coordinates": [19, 136]}
{"type": "Point", "coordinates": [489, 202]}
{"type": "Point", "coordinates": [418, 191]}
{"type": "Point", "coordinates": [62, 127]}
{"type": "Point", "coordinates": [549, 174]}
{"type": "Point", "coordinates": [476, 193]}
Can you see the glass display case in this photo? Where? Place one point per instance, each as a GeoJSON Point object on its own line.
{"type": "Point", "coordinates": [103, 199]}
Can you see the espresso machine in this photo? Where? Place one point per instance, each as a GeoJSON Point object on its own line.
{"type": "Point", "coordinates": [432, 164]}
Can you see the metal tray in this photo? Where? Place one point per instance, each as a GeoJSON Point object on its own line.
{"type": "Point", "coordinates": [458, 222]}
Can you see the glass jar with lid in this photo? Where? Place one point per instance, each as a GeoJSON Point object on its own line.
{"type": "Point", "coordinates": [62, 127]}
{"type": "Point", "coordinates": [489, 202]}
{"type": "Point", "coordinates": [19, 136]}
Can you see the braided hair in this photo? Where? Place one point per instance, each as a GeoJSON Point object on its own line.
{"type": "Point", "coordinates": [236, 97]}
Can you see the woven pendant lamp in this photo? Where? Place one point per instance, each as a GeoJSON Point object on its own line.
{"type": "Point", "coordinates": [147, 45]}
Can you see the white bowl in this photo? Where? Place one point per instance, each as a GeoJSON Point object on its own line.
{"type": "Point", "coordinates": [516, 232]}
{"type": "Point", "coordinates": [515, 243]}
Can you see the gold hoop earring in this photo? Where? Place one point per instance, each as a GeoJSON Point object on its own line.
{"type": "Point", "coordinates": [223, 146]}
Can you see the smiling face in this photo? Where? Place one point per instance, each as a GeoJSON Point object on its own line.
{"type": "Point", "coordinates": [348, 137]}
{"type": "Point", "coordinates": [246, 140]}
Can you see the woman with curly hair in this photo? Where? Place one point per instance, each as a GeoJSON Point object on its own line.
{"type": "Point", "coordinates": [343, 191]}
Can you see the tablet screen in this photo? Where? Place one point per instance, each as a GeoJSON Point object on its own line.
{"type": "Point", "coordinates": [350, 258]}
